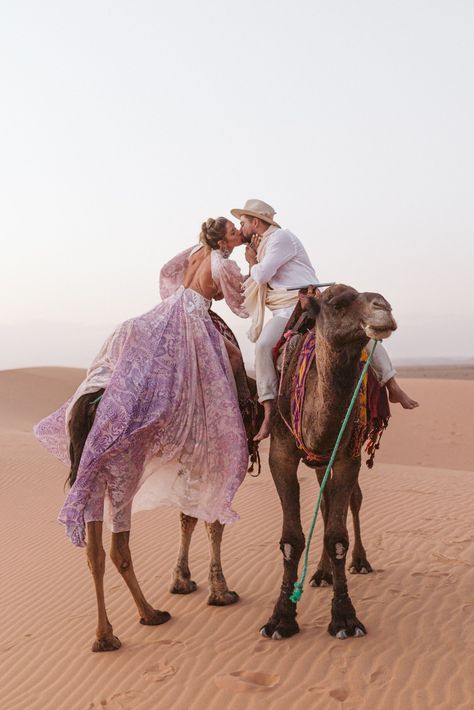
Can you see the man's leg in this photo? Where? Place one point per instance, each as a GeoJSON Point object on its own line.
{"type": "Point", "coordinates": [265, 373]}
{"type": "Point", "coordinates": [385, 373]}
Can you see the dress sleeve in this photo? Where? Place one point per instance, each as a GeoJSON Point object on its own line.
{"type": "Point", "coordinates": [172, 273]}
{"type": "Point", "coordinates": [229, 279]}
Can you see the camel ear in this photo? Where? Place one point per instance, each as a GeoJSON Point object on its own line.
{"type": "Point", "coordinates": [313, 307]}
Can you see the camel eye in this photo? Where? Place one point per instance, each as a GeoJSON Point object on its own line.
{"type": "Point", "coordinates": [339, 305]}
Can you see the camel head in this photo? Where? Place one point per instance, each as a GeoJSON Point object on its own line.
{"type": "Point", "coordinates": [344, 316]}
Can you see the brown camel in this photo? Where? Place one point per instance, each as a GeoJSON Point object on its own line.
{"type": "Point", "coordinates": [82, 418]}
{"type": "Point", "coordinates": [345, 320]}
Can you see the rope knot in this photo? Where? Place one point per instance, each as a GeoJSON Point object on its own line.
{"type": "Point", "coordinates": [297, 592]}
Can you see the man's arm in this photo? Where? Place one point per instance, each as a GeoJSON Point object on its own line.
{"type": "Point", "coordinates": [280, 250]}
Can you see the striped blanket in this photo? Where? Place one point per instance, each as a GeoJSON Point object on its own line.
{"type": "Point", "coordinates": [373, 408]}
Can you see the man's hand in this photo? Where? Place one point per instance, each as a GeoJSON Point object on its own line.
{"type": "Point", "coordinates": [251, 250]}
{"type": "Point", "coordinates": [250, 255]}
{"type": "Point", "coordinates": [255, 241]}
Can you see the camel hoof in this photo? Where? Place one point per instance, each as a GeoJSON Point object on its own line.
{"type": "Point", "coordinates": [157, 618]}
{"type": "Point", "coordinates": [223, 599]}
{"type": "Point", "coordinates": [263, 632]}
{"type": "Point", "coordinates": [112, 643]}
{"type": "Point", "coordinates": [360, 567]}
{"type": "Point", "coordinates": [183, 587]}
{"type": "Point", "coordinates": [321, 579]}
{"type": "Point", "coordinates": [284, 630]}
{"type": "Point", "coordinates": [344, 622]}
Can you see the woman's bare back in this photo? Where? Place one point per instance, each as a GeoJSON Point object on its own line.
{"type": "Point", "coordinates": [198, 274]}
{"type": "Point", "coordinates": [198, 277]}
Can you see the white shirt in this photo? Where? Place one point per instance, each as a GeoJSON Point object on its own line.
{"type": "Point", "coordinates": [285, 264]}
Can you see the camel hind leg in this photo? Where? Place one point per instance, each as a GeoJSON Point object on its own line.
{"type": "Point", "coordinates": [359, 563]}
{"type": "Point", "coordinates": [82, 418]}
{"type": "Point", "coordinates": [122, 559]}
{"type": "Point", "coordinates": [219, 593]}
{"type": "Point", "coordinates": [323, 575]}
{"type": "Point", "coordinates": [182, 582]}
{"type": "Point", "coordinates": [105, 639]}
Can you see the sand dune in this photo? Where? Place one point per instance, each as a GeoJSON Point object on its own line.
{"type": "Point", "coordinates": [417, 605]}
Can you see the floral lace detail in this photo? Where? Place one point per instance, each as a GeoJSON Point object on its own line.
{"type": "Point", "coordinates": [168, 429]}
{"type": "Point", "coordinates": [194, 303]}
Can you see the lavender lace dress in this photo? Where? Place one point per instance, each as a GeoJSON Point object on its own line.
{"type": "Point", "coordinates": [168, 429]}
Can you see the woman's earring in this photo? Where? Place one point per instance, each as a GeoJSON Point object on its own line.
{"type": "Point", "coordinates": [226, 253]}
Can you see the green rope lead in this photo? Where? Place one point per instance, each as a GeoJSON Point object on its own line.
{"type": "Point", "coordinates": [298, 589]}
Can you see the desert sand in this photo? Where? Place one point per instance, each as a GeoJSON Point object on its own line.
{"type": "Point", "coordinates": [417, 605]}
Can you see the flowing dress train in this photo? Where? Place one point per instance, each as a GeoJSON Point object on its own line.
{"type": "Point", "coordinates": [167, 430]}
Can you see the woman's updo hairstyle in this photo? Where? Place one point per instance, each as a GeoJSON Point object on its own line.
{"type": "Point", "coordinates": [213, 231]}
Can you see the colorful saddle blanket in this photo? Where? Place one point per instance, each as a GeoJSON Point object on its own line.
{"type": "Point", "coordinates": [373, 407]}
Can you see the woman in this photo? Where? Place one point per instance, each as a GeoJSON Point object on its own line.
{"type": "Point", "coordinates": [169, 414]}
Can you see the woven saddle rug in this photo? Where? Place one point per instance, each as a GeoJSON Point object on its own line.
{"type": "Point", "coordinates": [373, 410]}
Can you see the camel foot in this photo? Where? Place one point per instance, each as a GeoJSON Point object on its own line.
{"type": "Point", "coordinates": [156, 618]}
{"type": "Point", "coordinates": [108, 643]}
{"type": "Point", "coordinates": [321, 578]}
{"type": "Point", "coordinates": [280, 630]}
{"type": "Point", "coordinates": [344, 622]}
{"type": "Point", "coordinates": [183, 586]}
{"type": "Point", "coordinates": [222, 598]}
{"type": "Point", "coordinates": [360, 565]}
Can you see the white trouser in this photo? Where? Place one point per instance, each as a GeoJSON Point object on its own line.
{"type": "Point", "coordinates": [266, 376]}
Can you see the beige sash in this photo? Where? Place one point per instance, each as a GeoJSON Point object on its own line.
{"type": "Point", "coordinates": [257, 296]}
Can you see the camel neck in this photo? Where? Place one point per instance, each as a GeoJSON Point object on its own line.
{"type": "Point", "coordinates": [327, 400]}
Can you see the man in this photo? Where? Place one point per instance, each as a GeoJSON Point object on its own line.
{"type": "Point", "coordinates": [278, 262]}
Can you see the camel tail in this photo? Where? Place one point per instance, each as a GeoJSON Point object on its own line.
{"type": "Point", "coordinates": [81, 421]}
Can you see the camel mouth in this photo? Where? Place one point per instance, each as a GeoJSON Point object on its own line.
{"type": "Point", "coordinates": [378, 332]}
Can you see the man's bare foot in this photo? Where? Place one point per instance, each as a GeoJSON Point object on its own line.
{"type": "Point", "coordinates": [398, 396]}
{"type": "Point", "coordinates": [264, 430]}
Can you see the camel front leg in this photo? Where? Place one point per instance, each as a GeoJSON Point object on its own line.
{"type": "Point", "coordinates": [182, 582]}
{"type": "Point", "coordinates": [105, 641]}
{"type": "Point", "coordinates": [122, 559]}
{"type": "Point", "coordinates": [283, 465]}
{"type": "Point", "coordinates": [359, 563]}
{"type": "Point", "coordinates": [219, 593]}
{"type": "Point", "coordinates": [337, 494]}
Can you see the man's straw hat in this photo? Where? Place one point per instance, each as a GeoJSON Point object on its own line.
{"type": "Point", "coordinates": [257, 208]}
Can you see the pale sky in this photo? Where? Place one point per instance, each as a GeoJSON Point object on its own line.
{"type": "Point", "coordinates": [125, 124]}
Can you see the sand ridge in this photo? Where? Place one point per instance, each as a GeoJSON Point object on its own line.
{"type": "Point", "coordinates": [417, 605]}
